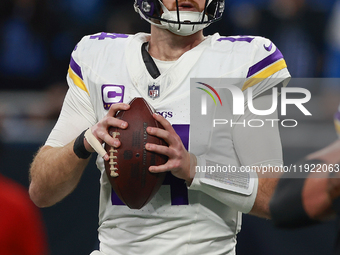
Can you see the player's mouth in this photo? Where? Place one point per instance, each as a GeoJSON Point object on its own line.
{"type": "Point", "coordinates": [187, 6]}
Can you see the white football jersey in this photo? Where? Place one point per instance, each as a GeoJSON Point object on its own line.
{"type": "Point", "coordinates": [108, 68]}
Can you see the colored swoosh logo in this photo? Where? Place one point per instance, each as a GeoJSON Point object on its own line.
{"type": "Point", "coordinates": [269, 48]}
{"type": "Point", "coordinates": [209, 93]}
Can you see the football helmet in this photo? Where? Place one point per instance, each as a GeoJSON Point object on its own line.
{"type": "Point", "coordinates": [179, 22]}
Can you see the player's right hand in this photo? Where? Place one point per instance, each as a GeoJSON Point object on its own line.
{"type": "Point", "coordinates": [101, 130]}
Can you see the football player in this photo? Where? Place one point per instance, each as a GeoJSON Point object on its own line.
{"type": "Point", "coordinates": [107, 70]}
{"type": "Point", "coordinates": [313, 197]}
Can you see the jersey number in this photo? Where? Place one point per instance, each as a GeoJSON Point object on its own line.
{"type": "Point", "coordinates": [103, 35]}
{"type": "Point", "coordinates": [178, 188]}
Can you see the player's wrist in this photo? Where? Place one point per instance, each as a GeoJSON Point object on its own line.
{"type": "Point", "coordinates": [193, 164]}
{"type": "Point", "coordinates": [79, 147]}
{"type": "Point", "coordinates": [87, 145]}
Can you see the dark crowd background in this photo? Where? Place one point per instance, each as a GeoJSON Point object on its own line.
{"type": "Point", "coordinates": [37, 38]}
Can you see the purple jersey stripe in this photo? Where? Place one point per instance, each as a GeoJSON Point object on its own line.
{"type": "Point", "coordinates": [265, 62]}
{"type": "Point", "coordinates": [76, 68]}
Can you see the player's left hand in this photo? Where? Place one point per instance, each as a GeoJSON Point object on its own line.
{"type": "Point", "coordinates": [179, 158]}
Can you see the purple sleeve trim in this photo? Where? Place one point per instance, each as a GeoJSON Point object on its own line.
{"type": "Point", "coordinates": [76, 68]}
{"type": "Point", "coordinates": [265, 62]}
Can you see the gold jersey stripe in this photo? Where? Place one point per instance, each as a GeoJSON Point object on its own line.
{"type": "Point", "coordinates": [79, 82]}
{"type": "Point", "coordinates": [264, 74]}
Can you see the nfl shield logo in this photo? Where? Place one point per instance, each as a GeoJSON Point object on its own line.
{"type": "Point", "coordinates": [153, 91]}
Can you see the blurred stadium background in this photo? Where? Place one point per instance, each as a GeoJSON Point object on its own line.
{"type": "Point", "coordinates": [37, 38]}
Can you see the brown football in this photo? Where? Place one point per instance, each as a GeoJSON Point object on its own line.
{"type": "Point", "coordinates": [128, 168]}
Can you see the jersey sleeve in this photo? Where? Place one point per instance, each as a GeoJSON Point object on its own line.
{"type": "Point", "coordinates": [254, 147]}
{"type": "Point", "coordinates": [75, 70]}
{"type": "Point", "coordinates": [77, 113]}
{"type": "Point", "coordinates": [267, 68]}
{"type": "Point", "coordinates": [257, 146]}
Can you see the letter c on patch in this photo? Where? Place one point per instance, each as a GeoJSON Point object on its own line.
{"type": "Point", "coordinates": [112, 94]}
